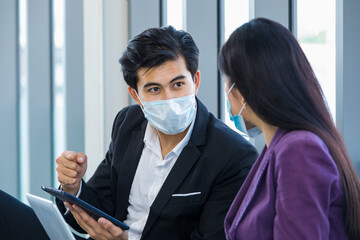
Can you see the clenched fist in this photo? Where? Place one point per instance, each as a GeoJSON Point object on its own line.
{"type": "Point", "coordinates": [71, 167]}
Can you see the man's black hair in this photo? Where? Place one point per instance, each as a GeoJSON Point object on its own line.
{"type": "Point", "coordinates": [156, 46]}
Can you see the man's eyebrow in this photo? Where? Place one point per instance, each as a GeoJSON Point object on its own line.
{"type": "Point", "coordinates": [177, 78]}
{"type": "Point", "coordinates": [152, 84]}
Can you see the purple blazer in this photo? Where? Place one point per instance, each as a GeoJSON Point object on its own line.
{"type": "Point", "coordinates": [292, 192]}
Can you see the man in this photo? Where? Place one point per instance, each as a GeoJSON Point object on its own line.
{"type": "Point", "coordinates": [172, 169]}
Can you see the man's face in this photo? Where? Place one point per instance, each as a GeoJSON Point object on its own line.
{"type": "Point", "coordinates": [170, 80]}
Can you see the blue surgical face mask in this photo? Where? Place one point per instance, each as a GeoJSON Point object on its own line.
{"type": "Point", "coordinates": [239, 120]}
{"type": "Point", "coordinates": [171, 116]}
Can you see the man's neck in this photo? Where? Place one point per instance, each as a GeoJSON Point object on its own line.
{"type": "Point", "coordinates": [169, 142]}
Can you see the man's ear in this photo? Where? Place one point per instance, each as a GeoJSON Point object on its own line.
{"type": "Point", "coordinates": [197, 81]}
{"type": "Point", "coordinates": [134, 95]}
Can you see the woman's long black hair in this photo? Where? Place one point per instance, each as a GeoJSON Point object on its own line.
{"type": "Point", "coordinates": [272, 73]}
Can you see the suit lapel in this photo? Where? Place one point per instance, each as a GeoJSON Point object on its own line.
{"type": "Point", "coordinates": [128, 168]}
{"type": "Point", "coordinates": [184, 163]}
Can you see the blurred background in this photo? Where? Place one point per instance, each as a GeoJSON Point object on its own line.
{"type": "Point", "coordinates": [61, 84]}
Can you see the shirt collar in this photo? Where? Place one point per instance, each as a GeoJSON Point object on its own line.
{"type": "Point", "coordinates": [178, 148]}
{"type": "Point", "coordinates": [151, 138]}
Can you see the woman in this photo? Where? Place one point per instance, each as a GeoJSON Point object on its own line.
{"type": "Point", "coordinates": [303, 185]}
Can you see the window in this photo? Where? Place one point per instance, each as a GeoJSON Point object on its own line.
{"type": "Point", "coordinates": [316, 35]}
{"type": "Point", "coordinates": [23, 102]}
{"type": "Point", "coordinates": [174, 13]}
{"type": "Point", "coordinates": [59, 93]}
{"type": "Point", "coordinates": [236, 13]}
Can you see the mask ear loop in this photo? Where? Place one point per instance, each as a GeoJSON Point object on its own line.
{"type": "Point", "coordinates": [195, 96]}
{"type": "Point", "coordinates": [232, 86]}
{"type": "Point", "coordinates": [242, 109]}
{"type": "Point", "coordinates": [142, 106]}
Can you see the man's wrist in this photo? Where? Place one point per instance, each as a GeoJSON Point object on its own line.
{"type": "Point", "coordinates": [75, 193]}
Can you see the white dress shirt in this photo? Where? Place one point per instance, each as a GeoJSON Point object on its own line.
{"type": "Point", "coordinates": [150, 175]}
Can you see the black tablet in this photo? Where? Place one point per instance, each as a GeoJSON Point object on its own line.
{"type": "Point", "coordinates": [93, 211]}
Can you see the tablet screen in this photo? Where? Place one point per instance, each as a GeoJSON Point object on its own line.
{"type": "Point", "coordinates": [50, 217]}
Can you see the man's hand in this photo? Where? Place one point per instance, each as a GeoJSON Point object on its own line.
{"type": "Point", "coordinates": [71, 167]}
{"type": "Point", "coordinates": [102, 229]}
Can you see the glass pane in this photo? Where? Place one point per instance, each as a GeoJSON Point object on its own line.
{"type": "Point", "coordinates": [175, 14]}
{"type": "Point", "coordinates": [23, 102]}
{"type": "Point", "coordinates": [316, 35]}
{"type": "Point", "coordinates": [236, 14]}
{"type": "Point", "coordinates": [59, 117]}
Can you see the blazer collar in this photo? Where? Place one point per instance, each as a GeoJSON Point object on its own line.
{"type": "Point", "coordinates": [247, 191]}
{"type": "Point", "coordinates": [128, 166]}
{"type": "Point", "coordinates": [198, 136]}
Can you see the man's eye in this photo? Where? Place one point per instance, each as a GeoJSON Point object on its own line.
{"type": "Point", "coordinates": [154, 89]}
{"type": "Point", "coordinates": [178, 84]}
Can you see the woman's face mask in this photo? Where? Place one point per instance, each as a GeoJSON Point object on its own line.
{"type": "Point", "coordinates": [239, 120]}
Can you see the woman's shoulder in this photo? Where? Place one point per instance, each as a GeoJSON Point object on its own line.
{"type": "Point", "coordinates": [300, 135]}
{"type": "Point", "coordinates": [304, 150]}
{"type": "Point", "coordinates": [298, 139]}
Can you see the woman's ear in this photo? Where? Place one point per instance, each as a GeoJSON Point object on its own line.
{"type": "Point", "coordinates": [242, 100]}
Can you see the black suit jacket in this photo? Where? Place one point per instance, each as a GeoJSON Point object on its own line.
{"type": "Point", "coordinates": [215, 162]}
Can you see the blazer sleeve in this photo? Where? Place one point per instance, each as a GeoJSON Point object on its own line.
{"type": "Point", "coordinates": [98, 190]}
{"type": "Point", "coordinates": [305, 176]}
{"type": "Point", "coordinates": [226, 186]}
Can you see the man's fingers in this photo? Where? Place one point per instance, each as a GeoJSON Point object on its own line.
{"type": "Point", "coordinates": [70, 155]}
{"type": "Point", "coordinates": [70, 165]}
{"type": "Point", "coordinates": [101, 229]}
{"type": "Point", "coordinates": [91, 225]}
{"type": "Point", "coordinates": [105, 223]}
{"type": "Point", "coordinates": [64, 180]}
{"type": "Point", "coordinates": [114, 231]}
{"type": "Point", "coordinates": [81, 158]}
{"type": "Point", "coordinates": [67, 171]}
{"type": "Point", "coordinates": [84, 216]}
{"type": "Point", "coordinates": [81, 220]}
{"type": "Point", "coordinates": [77, 162]}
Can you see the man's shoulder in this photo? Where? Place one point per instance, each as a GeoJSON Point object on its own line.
{"type": "Point", "coordinates": [130, 113]}
{"type": "Point", "coordinates": [128, 119]}
{"type": "Point", "coordinates": [226, 149]}
{"type": "Point", "coordinates": [129, 110]}
{"type": "Point", "coordinates": [224, 143]}
{"type": "Point", "coordinates": [216, 132]}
